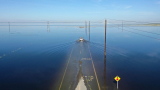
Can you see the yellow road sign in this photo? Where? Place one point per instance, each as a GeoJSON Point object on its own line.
{"type": "Point", "coordinates": [117, 78]}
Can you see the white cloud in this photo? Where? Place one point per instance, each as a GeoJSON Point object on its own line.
{"type": "Point", "coordinates": [128, 7]}
{"type": "Point", "coordinates": [158, 2]}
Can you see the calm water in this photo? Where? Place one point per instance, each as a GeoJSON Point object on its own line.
{"type": "Point", "coordinates": [32, 58]}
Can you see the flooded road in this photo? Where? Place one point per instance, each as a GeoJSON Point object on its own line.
{"type": "Point", "coordinates": [80, 72]}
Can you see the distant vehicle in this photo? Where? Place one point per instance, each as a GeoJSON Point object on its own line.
{"type": "Point", "coordinates": [81, 39]}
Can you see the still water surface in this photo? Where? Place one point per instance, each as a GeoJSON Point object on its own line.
{"type": "Point", "coordinates": [32, 58]}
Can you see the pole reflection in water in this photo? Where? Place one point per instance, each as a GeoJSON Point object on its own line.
{"type": "Point", "coordinates": [48, 30]}
{"type": "Point", "coordinates": [105, 72]}
{"type": "Point", "coordinates": [105, 58]}
{"type": "Point", "coordinates": [9, 26]}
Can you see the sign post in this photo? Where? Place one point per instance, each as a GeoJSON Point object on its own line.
{"type": "Point", "coordinates": [117, 78]}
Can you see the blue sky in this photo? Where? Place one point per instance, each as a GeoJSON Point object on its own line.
{"type": "Point", "coordinates": [79, 10]}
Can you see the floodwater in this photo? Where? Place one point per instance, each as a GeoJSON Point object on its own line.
{"type": "Point", "coordinates": [34, 58]}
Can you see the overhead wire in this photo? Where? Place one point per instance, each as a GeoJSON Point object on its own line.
{"type": "Point", "coordinates": [140, 34]}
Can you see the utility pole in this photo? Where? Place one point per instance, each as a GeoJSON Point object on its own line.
{"type": "Point", "coordinates": [86, 28]}
{"type": "Point", "coordinates": [9, 26]}
{"type": "Point", "coordinates": [122, 26]}
{"type": "Point", "coordinates": [89, 30]}
{"type": "Point", "coordinates": [48, 26]}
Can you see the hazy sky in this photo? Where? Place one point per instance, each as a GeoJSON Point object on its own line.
{"type": "Point", "coordinates": [79, 10]}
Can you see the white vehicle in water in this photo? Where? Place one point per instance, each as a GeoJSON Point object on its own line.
{"type": "Point", "coordinates": [81, 39]}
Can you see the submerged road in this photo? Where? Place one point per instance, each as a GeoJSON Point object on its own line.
{"type": "Point", "coordinates": [80, 73]}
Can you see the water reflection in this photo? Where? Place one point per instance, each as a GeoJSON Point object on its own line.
{"type": "Point", "coordinates": [104, 72]}
{"type": "Point", "coordinates": [9, 26]}
{"type": "Point", "coordinates": [40, 64]}
{"type": "Point", "coordinates": [80, 79]}
{"type": "Point", "coordinates": [105, 57]}
{"type": "Point", "coordinates": [86, 28]}
{"type": "Point", "coordinates": [48, 27]}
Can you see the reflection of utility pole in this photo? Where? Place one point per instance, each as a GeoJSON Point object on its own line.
{"type": "Point", "coordinates": [118, 26]}
{"type": "Point", "coordinates": [105, 57]}
{"type": "Point", "coordinates": [105, 34]}
{"type": "Point", "coordinates": [105, 71]}
{"type": "Point", "coordinates": [48, 26]}
{"type": "Point", "coordinates": [122, 26]}
{"type": "Point", "coordinates": [89, 30]}
{"type": "Point", "coordinates": [9, 26]}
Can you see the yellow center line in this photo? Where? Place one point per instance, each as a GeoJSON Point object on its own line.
{"type": "Point", "coordinates": [94, 69]}
{"type": "Point", "coordinates": [65, 70]}
{"type": "Point", "coordinates": [79, 87]}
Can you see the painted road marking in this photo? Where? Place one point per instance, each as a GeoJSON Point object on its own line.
{"type": "Point", "coordinates": [86, 59]}
{"type": "Point", "coordinates": [94, 69]}
{"type": "Point", "coordinates": [89, 78]}
{"type": "Point", "coordinates": [65, 70]}
{"type": "Point", "coordinates": [85, 76]}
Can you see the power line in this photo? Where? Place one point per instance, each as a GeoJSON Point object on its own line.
{"type": "Point", "coordinates": [141, 30]}
{"type": "Point", "coordinates": [134, 21]}
{"type": "Point", "coordinates": [42, 22]}
{"type": "Point", "coordinates": [142, 34]}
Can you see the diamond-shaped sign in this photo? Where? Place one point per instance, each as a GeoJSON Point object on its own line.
{"type": "Point", "coordinates": [117, 78]}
